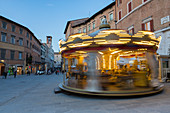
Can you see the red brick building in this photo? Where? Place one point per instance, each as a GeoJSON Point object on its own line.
{"type": "Point", "coordinates": [17, 44]}
{"type": "Point", "coordinates": [132, 16]}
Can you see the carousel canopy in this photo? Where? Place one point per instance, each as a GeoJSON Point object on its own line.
{"type": "Point", "coordinates": [112, 38]}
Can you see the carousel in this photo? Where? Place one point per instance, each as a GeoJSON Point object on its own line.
{"type": "Point", "coordinates": [110, 62]}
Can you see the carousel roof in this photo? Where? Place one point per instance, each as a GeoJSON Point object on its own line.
{"type": "Point", "coordinates": [109, 38]}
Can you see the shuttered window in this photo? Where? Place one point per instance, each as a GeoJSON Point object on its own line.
{"type": "Point", "coordinates": [129, 7]}
{"type": "Point", "coordinates": [148, 26]}
{"type": "Point", "coordinates": [130, 30]}
{"type": "Point", "coordinates": [119, 2]}
{"type": "Point", "coordinates": [120, 15]}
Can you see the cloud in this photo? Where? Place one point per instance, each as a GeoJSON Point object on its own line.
{"type": "Point", "coordinates": [50, 5]}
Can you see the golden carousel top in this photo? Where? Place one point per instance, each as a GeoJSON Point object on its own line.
{"type": "Point", "coordinates": [112, 38]}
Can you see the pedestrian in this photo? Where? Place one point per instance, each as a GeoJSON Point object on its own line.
{"type": "Point", "coordinates": [28, 72]}
{"type": "Point", "coordinates": [56, 72]}
{"type": "Point", "coordinates": [15, 74]}
{"type": "Point", "coordinates": [62, 71]}
{"type": "Point", "coordinates": [8, 72]}
{"type": "Point", "coordinates": [5, 74]}
{"type": "Point", "coordinates": [22, 72]}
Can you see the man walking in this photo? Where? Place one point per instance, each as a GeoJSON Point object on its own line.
{"type": "Point", "coordinates": [15, 74]}
{"type": "Point", "coordinates": [5, 74]}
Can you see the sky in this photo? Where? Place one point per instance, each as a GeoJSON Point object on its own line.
{"type": "Point", "coordinates": [49, 17]}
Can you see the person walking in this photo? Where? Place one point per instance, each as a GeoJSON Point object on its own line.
{"type": "Point", "coordinates": [5, 74]}
{"type": "Point", "coordinates": [8, 73]}
{"type": "Point", "coordinates": [15, 74]}
{"type": "Point", "coordinates": [28, 72]}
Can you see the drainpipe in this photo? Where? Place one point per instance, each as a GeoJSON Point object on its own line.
{"type": "Point", "coordinates": [115, 15]}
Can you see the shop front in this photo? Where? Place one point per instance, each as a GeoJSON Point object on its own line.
{"type": "Point", "coordinates": [2, 67]}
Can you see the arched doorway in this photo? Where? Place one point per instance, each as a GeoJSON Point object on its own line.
{"type": "Point", "coordinates": [2, 68]}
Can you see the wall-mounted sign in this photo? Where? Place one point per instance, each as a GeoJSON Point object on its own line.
{"type": "Point", "coordinates": [165, 20]}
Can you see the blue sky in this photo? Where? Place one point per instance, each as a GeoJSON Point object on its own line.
{"type": "Point", "coordinates": [49, 17]}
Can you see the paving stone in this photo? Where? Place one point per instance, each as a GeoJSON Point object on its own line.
{"type": "Point", "coordinates": [35, 94]}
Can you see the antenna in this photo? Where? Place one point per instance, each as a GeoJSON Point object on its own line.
{"type": "Point", "coordinates": [89, 13]}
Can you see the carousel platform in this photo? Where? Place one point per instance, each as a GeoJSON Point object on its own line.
{"type": "Point", "coordinates": [116, 93]}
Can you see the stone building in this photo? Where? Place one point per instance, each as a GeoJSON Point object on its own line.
{"type": "Point", "coordinates": [50, 54]}
{"type": "Point", "coordinates": [57, 59]}
{"type": "Point", "coordinates": [19, 47]}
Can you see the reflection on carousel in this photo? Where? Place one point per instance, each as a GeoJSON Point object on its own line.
{"type": "Point", "coordinates": [111, 62]}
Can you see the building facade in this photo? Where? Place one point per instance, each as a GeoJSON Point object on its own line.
{"type": "Point", "coordinates": [50, 54]}
{"type": "Point", "coordinates": [57, 59]}
{"type": "Point", "coordinates": [19, 48]}
{"type": "Point", "coordinates": [132, 16]}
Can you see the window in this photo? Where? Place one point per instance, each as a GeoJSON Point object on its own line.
{"type": "Point", "coordinates": [79, 30]}
{"type": "Point", "coordinates": [27, 43]}
{"type": "Point", "coordinates": [165, 63]}
{"type": "Point", "coordinates": [13, 28]}
{"type": "Point", "coordinates": [111, 16]}
{"type": "Point", "coordinates": [12, 39]}
{"type": "Point", "coordinates": [20, 41]}
{"type": "Point", "coordinates": [20, 30]}
{"type": "Point", "coordinates": [145, 0]}
{"type": "Point", "coordinates": [119, 2]}
{"type": "Point", "coordinates": [30, 37]}
{"type": "Point", "coordinates": [129, 6]}
{"type": "Point", "coordinates": [84, 30]}
{"type": "Point", "coordinates": [93, 25]}
{"type": "Point", "coordinates": [148, 26]}
{"type": "Point", "coordinates": [27, 35]}
{"type": "Point", "coordinates": [131, 30]}
{"type": "Point", "coordinates": [3, 53]}
{"type": "Point", "coordinates": [101, 20]}
{"type": "Point", "coordinates": [20, 55]}
{"type": "Point", "coordinates": [30, 45]}
{"type": "Point", "coordinates": [120, 15]}
{"type": "Point", "coordinates": [89, 27]}
{"type": "Point", "coordinates": [3, 37]}
{"type": "Point", "coordinates": [12, 55]}
{"type": "Point", "coordinates": [4, 25]}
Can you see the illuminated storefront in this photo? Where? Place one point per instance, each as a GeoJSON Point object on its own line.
{"type": "Point", "coordinates": [111, 63]}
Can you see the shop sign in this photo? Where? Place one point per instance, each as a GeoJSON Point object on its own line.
{"type": "Point", "coordinates": [165, 20]}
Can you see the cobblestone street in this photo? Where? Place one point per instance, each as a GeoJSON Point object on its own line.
{"type": "Point", "coordinates": [35, 94]}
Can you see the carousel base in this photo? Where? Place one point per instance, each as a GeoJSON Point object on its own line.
{"type": "Point", "coordinates": [125, 93]}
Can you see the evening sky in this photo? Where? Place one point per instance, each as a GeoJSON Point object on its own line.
{"type": "Point", "coordinates": [49, 17]}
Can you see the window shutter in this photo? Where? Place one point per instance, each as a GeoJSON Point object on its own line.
{"type": "Point", "coordinates": [130, 7]}
{"type": "Point", "coordinates": [119, 15]}
{"type": "Point", "coordinates": [143, 27]}
{"type": "Point", "coordinates": [133, 31]}
{"type": "Point", "coordinates": [151, 25]}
